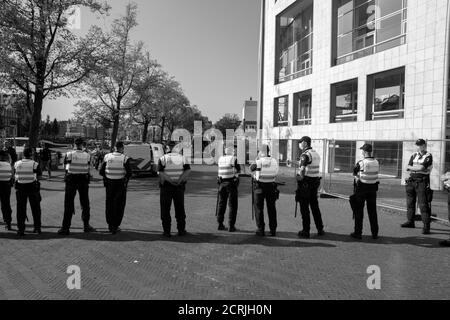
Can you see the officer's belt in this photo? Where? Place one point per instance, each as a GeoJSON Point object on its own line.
{"type": "Point", "coordinates": [227, 180]}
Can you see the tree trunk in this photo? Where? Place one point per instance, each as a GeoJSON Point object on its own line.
{"type": "Point", "coordinates": [115, 131]}
{"type": "Point", "coordinates": [145, 133]}
{"type": "Point", "coordinates": [162, 128]}
{"type": "Point", "coordinates": [36, 118]}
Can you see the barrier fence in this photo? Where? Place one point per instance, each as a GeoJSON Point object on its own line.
{"type": "Point", "coordinates": [340, 156]}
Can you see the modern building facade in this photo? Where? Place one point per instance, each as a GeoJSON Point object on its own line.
{"type": "Point", "coordinates": [356, 71]}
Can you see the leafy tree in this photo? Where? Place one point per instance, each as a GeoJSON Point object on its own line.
{"type": "Point", "coordinates": [123, 81]}
{"type": "Point", "coordinates": [41, 55]}
{"type": "Point", "coordinates": [229, 121]}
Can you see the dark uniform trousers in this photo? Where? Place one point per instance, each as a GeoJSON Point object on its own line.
{"type": "Point", "coordinates": [168, 194]}
{"type": "Point", "coordinates": [24, 193]}
{"type": "Point", "coordinates": [5, 195]}
{"type": "Point", "coordinates": [365, 193]}
{"type": "Point", "coordinates": [448, 204]}
{"type": "Point", "coordinates": [228, 192]}
{"type": "Point", "coordinates": [116, 198]}
{"type": "Point", "coordinates": [265, 191]}
{"type": "Point", "coordinates": [418, 189]}
{"type": "Point", "coordinates": [76, 183]}
{"type": "Point", "coordinates": [306, 195]}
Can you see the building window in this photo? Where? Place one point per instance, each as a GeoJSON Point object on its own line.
{"type": "Point", "coordinates": [294, 44]}
{"type": "Point", "coordinates": [302, 108]}
{"type": "Point", "coordinates": [344, 101]}
{"type": "Point", "coordinates": [363, 27]}
{"type": "Point", "coordinates": [386, 95]}
{"type": "Point", "coordinates": [281, 114]}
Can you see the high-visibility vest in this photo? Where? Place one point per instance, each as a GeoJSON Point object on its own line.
{"type": "Point", "coordinates": [312, 169]}
{"type": "Point", "coordinates": [5, 171]}
{"type": "Point", "coordinates": [115, 165]}
{"type": "Point", "coordinates": [268, 167]}
{"type": "Point", "coordinates": [25, 171]}
{"type": "Point", "coordinates": [226, 167]}
{"type": "Point", "coordinates": [79, 162]}
{"type": "Point", "coordinates": [173, 165]}
{"type": "Point", "coordinates": [369, 171]}
{"type": "Point", "coordinates": [419, 160]}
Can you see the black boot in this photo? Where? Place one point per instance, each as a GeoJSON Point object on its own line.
{"type": "Point", "coordinates": [408, 225]}
{"type": "Point", "coordinates": [88, 229]}
{"type": "Point", "coordinates": [221, 227]}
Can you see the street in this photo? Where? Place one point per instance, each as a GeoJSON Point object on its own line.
{"type": "Point", "coordinates": [139, 263]}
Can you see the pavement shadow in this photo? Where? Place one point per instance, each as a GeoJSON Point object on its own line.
{"type": "Point", "coordinates": [241, 238]}
{"type": "Point", "coordinates": [419, 241]}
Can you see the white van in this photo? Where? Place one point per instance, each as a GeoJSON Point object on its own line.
{"type": "Point", "coordinates": [144, 157]}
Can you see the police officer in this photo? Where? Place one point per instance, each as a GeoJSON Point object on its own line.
{"type": "Point", "coordinates": [27, 172]}
{"type": "Point", "coordinates": [366, 186]}
{"type": "Point", "coordinates": [265, 171]}
{"type": "Point", "coordinates": [77, 178]}
{"type": "Point", "coordinates": [173, 171]}
{"type": "Point", "coordinates": [11, 151]}
{"type": "Point", "coordinates": [308, 183]}
{"type": "Point", "coordinates": [418, 186]}
{"type": "Point", "coordinates": [116, 172]}
{"type": "Point", "coordinates": [228, 179]}
{"type": "Point", "coordinates": [6, 182]}
{"type": "Point", "coordinates": [446, 180]}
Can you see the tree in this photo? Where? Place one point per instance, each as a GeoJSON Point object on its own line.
{"type": "Point", "coordinates": [123, 82]}
{"type": "Point", "coordinates": [55, 128]}
{"type": "Point", "coordinates": [40, 53]}
{"type": "Point", "coordinates": [229, 121]}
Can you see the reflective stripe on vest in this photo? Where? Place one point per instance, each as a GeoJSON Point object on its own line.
{"type": "Point", "coordinates": [369, 170]}
{"type": "Point", "coordinates": [419, 160]}
{"type": "Point", "coordinates": [226, 167]}
{"type": "Point", "coordinates": [173, 165]}
{"type": "Point", "coordinates": [269, 170]}
{"type": "Point", "coordinates": [115, 169]}
{"type": "Point", "coordinates": [79, 162]}
{"type": "Point", "coordinates": [5, 171]}
{"type": "Point", "coordinates": [25, 171]}
{"type": "Point", "coordinates": [312, 169]}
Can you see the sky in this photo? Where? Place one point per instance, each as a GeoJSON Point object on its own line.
{"type": "Point", "coordinates": [209, 46]}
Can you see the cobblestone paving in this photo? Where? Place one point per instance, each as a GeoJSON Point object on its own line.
{"type": "Point", "coordinates": [208, 264]}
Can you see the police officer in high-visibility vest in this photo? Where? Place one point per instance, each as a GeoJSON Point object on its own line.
{"type": "Point", "coordinates": [173, 171]}
{"type": "Point", "coordinates": [77, 178]}
{"type": "Point", "coordinates": [308, 183]}
{"type": "Point", "coordinates": [116, 172]}
{"type": "Point", "coordinates": [418, 186]}
{"type": "Point", "coordinates": [26, 173]}
{"type": "Point", "coordinates": [228, 179]}
{"type": "Point", "coordinates": [6, 182]}
{"type": "Point", "coordinates": [265, 171]}
{"type": "Point", "coordinates": [366, 186]}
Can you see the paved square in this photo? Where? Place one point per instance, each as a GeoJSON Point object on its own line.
{"type": "Point", "coordinates": [207, 264]}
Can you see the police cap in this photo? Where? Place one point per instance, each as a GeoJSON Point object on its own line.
{"type": "Point", "coordinates": [367, 148]}
{"type": "Point", "coordinates": [306, 139]}
{"type": "Point", "coordinates": [421, 142]}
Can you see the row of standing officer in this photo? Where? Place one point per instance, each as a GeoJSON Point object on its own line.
{"type": "Point", "coordinates": [264, 189]}
{"type": "Point", "coordinates": [366, 185]}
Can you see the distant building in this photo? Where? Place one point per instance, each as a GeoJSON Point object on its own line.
{"type": "Point", "coordinates": [250, 115]}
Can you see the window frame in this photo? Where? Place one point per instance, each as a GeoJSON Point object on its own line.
{"type": "Point", "coordinates": [276, 112]}
{"type": "Point", "coordinates": [296, 111]}
{"type": "Point", "coordinates": [353, 116]}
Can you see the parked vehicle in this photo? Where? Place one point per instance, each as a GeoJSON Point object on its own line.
{"type": "Point", "coordinates": [144, 157]}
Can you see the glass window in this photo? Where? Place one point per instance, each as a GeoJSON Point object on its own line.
{"type": "Point", "coordinates": [294, 44]}
{"type": "Point", "coordinates": [302, 108]}
{"type": "Point", "coordinates": [367, 26]}
{"type": "Point", "coordinates": [390, 156]}
{"type": "Point", "coordinates": [386, 93]}
{"type": "Point", "coordinates": [344, 101]}
{"type": "Point", "coordinates": [281, 108]}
